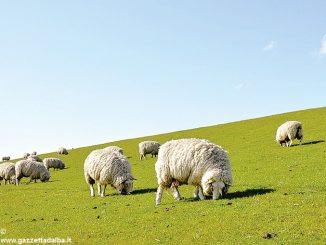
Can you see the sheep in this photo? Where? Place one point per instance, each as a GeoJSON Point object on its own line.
{"type": "Point", "coordinates": [54, 163]}
{"type": "Point", "coordinates": [7, 172]}
{"type": "Point", "coordinates": [196, 162]}
{"type": "Point", "coordinates": [6, 158]}
{"type": "Point", "coordinates": [148, 147]}
{"type": "Point", "coordinates": [34, 158]}
{"type": "Point", "coordinates": [62, 151]}
{"type": "Point", "coordinates": [114, 149]}
{"type": "Point", "coordinates": [34, 153]}
{"type": "Point", "coordinates": [289, 131]}
{"type": "Point", "coordinates": [26, 155]}
{"type": "Point", "coordinates": [32, 169]}
{"type": "Point", "coordinates": [108, 168]}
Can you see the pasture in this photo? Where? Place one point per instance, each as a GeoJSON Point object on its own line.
{"type": "Point", "coordinates": [276, 190]}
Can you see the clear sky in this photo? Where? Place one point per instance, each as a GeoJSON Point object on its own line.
{"type": "Point", "coordinates": [77, 73]}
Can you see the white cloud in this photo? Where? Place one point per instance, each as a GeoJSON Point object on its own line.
{"type": "Point", "coordinates": [239, 86]}
{"type": "Point", "coordinates": [322, 49]}
{"type": "Point", "coordinates": [269, 46]}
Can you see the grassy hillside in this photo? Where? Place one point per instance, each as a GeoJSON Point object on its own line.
{"type": "Point", "coordinates": [276, 190]}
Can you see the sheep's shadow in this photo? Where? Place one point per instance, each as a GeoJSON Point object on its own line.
{"type": "Point", "coordinates": [135, 192]}
{"type": "Point", "coordinates": [144, 191]}
{"type": "Point", "coordinates": [248, 193]}
{"type": "Point", "coordinates": [237, 194]}
{"type": "Point", "coordinates": [310, 142]}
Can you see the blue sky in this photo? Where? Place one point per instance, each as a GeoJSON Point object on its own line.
{"type": "Point", "coordinates": [77, 73]}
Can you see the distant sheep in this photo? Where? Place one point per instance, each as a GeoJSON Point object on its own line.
{"type": "Point", "coordinates": [7, 172]}
{"type": "Point", "coordinates": [148, 147]}
{"type": "Point", "coordinates": [6, 158]}
{"type": "Point", "coordinates": [54, 163]}
{"type": "Point", "coordinates": [196, 162]}
{"type": "Point", "coordinates": [62, 151]}
{"type": "Point", "coordinates": [32, 169]}
{"type": "Point", "coordinates": [289, 131]}
{"type": "Point", "coordinates": [34, 158]}
{"type": "Point", "coordinates": [34, 153]}
{"type": "Point", "coordinates": [108, 168]}
{"type": "Point", "coordinates": [114, 149]}
{"type": "Point", "coordinates": [26, 155]}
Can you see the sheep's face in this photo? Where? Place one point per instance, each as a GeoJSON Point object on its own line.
{"type": "Point", "coordinates": [63, 166]}
{"type": "Point", "coordinates": [126, 187]}
{"type": "Point", "coordinates": [45, 177]}
{"type": "Point", "coordinates": [13, 180]}
{"type": "Point", "coordinates": [209, 186]}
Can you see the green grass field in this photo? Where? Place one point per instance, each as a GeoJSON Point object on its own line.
{"type": "Point", "coordinates": [275, 190]}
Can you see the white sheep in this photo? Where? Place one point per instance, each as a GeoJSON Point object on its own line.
{"type": "Point", "coordinates": [7, 172]}
{"type": "Point", "coordinates": [196, 162]}
{"type": "Point", "coordinates": [114, 148]}
{"type": "Point", "coordinates": [34, 158]}
{"type": "Point", "coordinates": [148, 147]}
{"type": "Point", "coordinates": [62, 151]}
{"type": "Point", "coordinates": [5, 158]}
{"type": "Point", "coordinates": [54, 163]}
{"type": "Point", "coordinates": [26, 155]}
{"type": "Point", "coordinates": [34, 153]}
{"type": "Point", "coordinates": [289, 131]}
{"type": "Point", "coordinates": [108, 168]}
{"type": "Point", "coordinates": [32, 169]}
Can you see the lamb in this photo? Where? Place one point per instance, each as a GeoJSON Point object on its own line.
{"type": "Point", "coordinates": [26, 155]}
{"type": "Point", "coordinates": [108, 168]}
{"type": "Point", "coordinates": [54, 163]}
{"type": "Point", "coordinates": [196, 162]}
{"type": "Point", "coordinates": [148, 147]}
{"type": "Point", "coordinates": [114, 149]}
{"type": "Point", "coordinates": [289, 131]}
{"type": "Point", "coordinates": [62, 151]}
{"type": "Point", "coordinates": [7, 172]}
{"type": "Point", "coordinates": [34, 158]}
{"type": "Point", "coordinates": [6, 158]}
{"type": "Point", "coordinates": [32, 169]}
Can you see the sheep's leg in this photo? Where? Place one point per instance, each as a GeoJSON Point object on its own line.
{"type": "Point", "coordinates": [175, 192]}
{"type": "Point", "coordinates": [4, 181]}
{"type": "Point", "coordinates": [217, 189]}
{"type": "Point", "coordinates": [103, 191]}
{"type": "Point", "coordinates": [29, 181]}
{"type": "Point", "coordinates": [199, 193]}
{"type": "Point", "coordinates": [17, 181]}
{"type": "Point", "coordinates": [290, 143]}
{"type": "Point", "coordinates": [92, 190]}
{"type": "Point", "coordinates": [99, 189]}
{"type": "Point", "coordinates": [159, 193]}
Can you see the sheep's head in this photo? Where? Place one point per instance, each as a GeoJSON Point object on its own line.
{"type": "Point", "coordinates": [13, 180]}
{"type": "Point", "coordinates": [45, 176]}
{"type": "Point", "coordinates": [125, 185]}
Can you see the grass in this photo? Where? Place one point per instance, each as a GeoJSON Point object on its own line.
{"type": "Point", "coordinates": [276, 190]}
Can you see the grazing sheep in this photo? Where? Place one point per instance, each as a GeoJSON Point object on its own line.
{"type": "Point", "coordinates": [34, 153]}
{"type": "Point", "coordinates": [196, 162]}
{"type": "Point", "coordinates": [7, 172]}
{"type": "Point", "coordinates": [34, 158]}
{"type": "Point", "coordinates": [26, 155]}
{"type": "Point", "coordinates": [54, 163]}
{"type": "Point", "coordinates": [148, 147]}
{"type": "Point", "coordinates": [108, 168]}
{"type": "Point", "coordinates": [62, 151]}
{"type": "Point", "coordinates": [289, 131]}
{"type": "Point", "coordinates": [114, 149]}
{"type": "Point", "coordinates": [32, 169]}
{"type": "Point", "coordinates": [6, 158]}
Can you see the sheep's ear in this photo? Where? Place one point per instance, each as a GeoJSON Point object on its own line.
{"type": "Point", "coordinates": [133, 178]}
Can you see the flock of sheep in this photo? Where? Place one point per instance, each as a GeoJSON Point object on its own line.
{"type": "Point", "coordinates": [32, 166]}
{"type": "Point", "coordinates": [192, 161]}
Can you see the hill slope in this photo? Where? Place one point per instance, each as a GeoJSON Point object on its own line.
{"type": "Point", "coordinates": [276, 190]}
